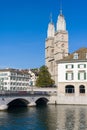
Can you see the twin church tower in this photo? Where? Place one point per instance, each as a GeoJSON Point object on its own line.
{"type": "Point", "coordinates": [56, 45]}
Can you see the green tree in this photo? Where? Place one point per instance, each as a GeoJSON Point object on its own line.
{"type": "Point", "coordinates": [44, 78]}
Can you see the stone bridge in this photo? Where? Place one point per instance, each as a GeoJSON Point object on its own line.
{"type": "Point", "coordinates": [23, 98]}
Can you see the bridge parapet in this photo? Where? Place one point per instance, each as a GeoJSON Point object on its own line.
{"type": "Point", "coordinates": [23, 93]}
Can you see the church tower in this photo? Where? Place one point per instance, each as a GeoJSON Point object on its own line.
{"type": "Point", "coordinates": [49, 47]}
{"type": "Point", "coordinates": [60, 43]}
{"type": "Point", "coordinates": [56, 46]}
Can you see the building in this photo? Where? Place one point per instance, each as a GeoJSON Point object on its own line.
{"type": "Point", "coordinates": [72, 78]}
{"type": "Point", "coordinates": [56, 45]}
{"type": "Point", "coordinates": [33, 76]}
{"type": "Point", "coordinates": [14, 79]}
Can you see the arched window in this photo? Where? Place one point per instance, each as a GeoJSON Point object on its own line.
{"type": "Point", "coordinates": [51, 66]}
{"type": "Point", "coordinates": [52, 51]}
{"type": "Point", "coordinates": [81, 89]}
{"type": "Point", "coordinates": [69, 89]}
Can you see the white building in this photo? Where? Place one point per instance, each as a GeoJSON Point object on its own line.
{"type": "Point", "coordinates": [14, 79]}
{"type": "Point", "coordinates": [33, 77]}
{"type": "Point", "coordinates": [72, 78]}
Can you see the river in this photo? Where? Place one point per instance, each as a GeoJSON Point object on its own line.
{"type": "Point", "coordinates": [59, 117]}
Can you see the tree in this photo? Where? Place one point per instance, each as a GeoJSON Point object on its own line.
{"type": "Point", "coordinates": [44, 78]}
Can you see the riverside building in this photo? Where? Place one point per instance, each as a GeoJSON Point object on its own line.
{"type": "Point", "coordinates": [14, 79]}
{"type": "Point", "coordinates": [72, 78]}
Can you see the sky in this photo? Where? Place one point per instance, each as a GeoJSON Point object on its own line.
{"type": "Point", "coordinates": [23, 29]}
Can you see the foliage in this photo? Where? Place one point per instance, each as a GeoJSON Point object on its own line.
{"type": "Point", "coordinates": [44, 78]}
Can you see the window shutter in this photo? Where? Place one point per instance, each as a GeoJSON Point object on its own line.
{"type": "Point", "coordinates": [84, 65]}
{"type": "Point", "coordinates": [66, 76]}
{"type": "Point", "coordinates": [78, 66]}
{"type": "Point", "coordinates": [84, 75]}
{"type": "Point", "coordinates": [66, 66]}
{"type": "Point", "coordinates": [72, 66]}
{"type": "Point", "coordinates": [72, 76]}
{"type": "Point", "coordinates": [78, 76]}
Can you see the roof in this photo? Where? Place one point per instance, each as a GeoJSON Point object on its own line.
{"type": "Point", "coordinates": [82, 55]}
{"type": "Point", "coordinates": [14, 71]}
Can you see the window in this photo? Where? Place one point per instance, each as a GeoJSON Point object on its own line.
{"type": "Point", "coordinates": [69, 76]}
{"type": "Point", "coordinates": [82, 89]}
{"type": "Point", "coordinates": [69, 66]}
{"type": "Point", "coordinates": [69, 89]}
{"type": "Point", "coordinates": [3, 74]}
{"type": "Point", "coordinates": [5, 83]}
{"type": "Point", "coordinates": [75, 56]}
{"type": "Point", "coordinates": [82, 75]}
{"type": "Point", "coordinates": [86, 55]}
{"type": "Point", "coordinates": [52, 51]}
{"type": "Point", "coordinates": [5, 88]}
{"type": "Point", "coordinates": [51, 66]}
{"type": "Point", "coordinates": [82, 66]}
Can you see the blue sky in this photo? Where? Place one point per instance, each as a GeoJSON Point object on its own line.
{"type": "Point", "coordinates": [23, 29]}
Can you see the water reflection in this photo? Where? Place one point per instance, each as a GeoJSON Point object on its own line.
{"type": "Point", "coordinates": [47, 116]}
{"type": "Point", "coordinates": [71, 118]}
{"type": "Point", "coordinates": [59, 117]}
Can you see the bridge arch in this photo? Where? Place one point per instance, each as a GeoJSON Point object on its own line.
{"type": "Point", "coordinates": [41, 101]}
{"type": "Point", "coordinates": [18, 102]}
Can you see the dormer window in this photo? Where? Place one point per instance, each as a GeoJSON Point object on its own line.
{"type": "Point", "coordinates": [86, 55]}
{"type": "Point", "coordinates": [75, 56]}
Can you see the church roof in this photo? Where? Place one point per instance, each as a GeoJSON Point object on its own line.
{"type": "Point", "coordinates": [79, 55]}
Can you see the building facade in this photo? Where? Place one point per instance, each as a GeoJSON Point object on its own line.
{"type": "Point", "coordinates": [56, 45]}
{"type": "Point", "coordinates": [33, 77]}
{"type": "Point", "coordinates": [14, 80]}
{"type": "Point", "coordinates": [72, 78]}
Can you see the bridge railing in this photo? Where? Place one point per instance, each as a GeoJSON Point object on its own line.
{"type": "Point", "coordinates": [24, 93]}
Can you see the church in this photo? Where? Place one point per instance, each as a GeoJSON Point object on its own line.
{"type": "Point", "coordinates": [56, 45]}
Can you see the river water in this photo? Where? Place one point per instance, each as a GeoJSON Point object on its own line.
{"type": "Point", "coordinates": [59, 117]}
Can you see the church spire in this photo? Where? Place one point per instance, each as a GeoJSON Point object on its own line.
{"type": "Point", "coordinates": [51, 28]}
{"type": "Point", "coordinates": [61, 23]}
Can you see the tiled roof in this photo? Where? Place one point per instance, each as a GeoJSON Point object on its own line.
{"type": "Point", "coordinates": [82, 55]}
